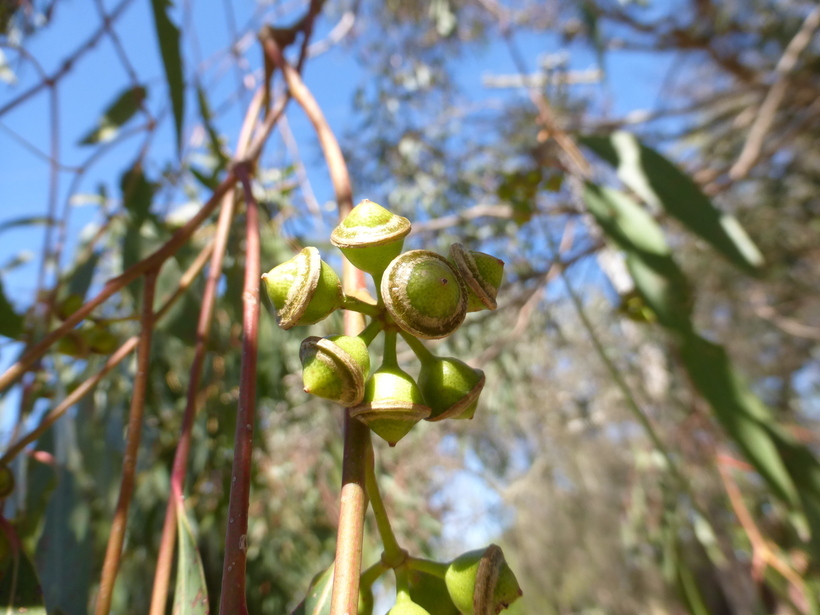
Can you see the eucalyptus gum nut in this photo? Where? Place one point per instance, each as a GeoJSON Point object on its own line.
{"type": "Point", "coordinates": [370, 236]}
{"type": "Point", "coordinates": [424, 294]}
{"type": "Point", "coordinates": [100, 340]}
{"type": "Point", "coordinates": [430, 592]}
{"type": "Point", "coordinates": [73, 344]}
{"type": "Point", "coordinates": [405, 607]}
{"type": "Point", "coordinates": [366, 601]}
{"type": "Point", "coordinates": [335, 368]}
{"type": "Point", "coordinates": [304, 290]}
{"type": "Point", "coordinates": [482, 273]}
{"type": "Point", "coordinates": [392, 404]}
{"type": "Point", "coordinates": [481, 579]}
{"type": "Point", "coordinates": [450, 387]}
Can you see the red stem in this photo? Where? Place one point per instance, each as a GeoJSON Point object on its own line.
{"type": "Point", "coordinates": [236, 538]}
{"type": "Point", "coordinates": [129, 463]}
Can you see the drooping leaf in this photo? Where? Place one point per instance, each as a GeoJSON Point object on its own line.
{"type": "Point", "coordinates": [214, 144]}
{"type": "Point", "coordinates": [191, 593]}
{"type": "Point", "coordinates": [661, 184]}
{"type": "Point", "coordinates": [137, 193]}
{"type": "Point", "coordinates": [80, 280]}
{"type": "Point", "coordinates": [19, 586]}
{"type": "Point", "coordinates": [25, 221]}
{"type": "Point", "coordinates": [168, 38]}
{"type": "Point", "coordinates": [317, 600]}
{"type": "Point", "coordinates": [11, 323]}
{"type": "Point", "coordinates": [657, 277]}
{"type": "Point", "coordinates": [124, 107]}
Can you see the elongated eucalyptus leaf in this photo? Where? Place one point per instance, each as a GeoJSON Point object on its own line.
{"type": "Point", "coordinates": [660, 183]}
{"type": "Point", "coordinates": [19, 586]}
{"type": "Point", "coordinates": [657, 277]}
{"type": "Point", "coordinates": [11, 323]}
{"type": "Point", "coordinates": [317, 600]}
{"type": "Point", "coordinates": [25, 221]}
{"type": "Point", "coordinates": [168, 38]}
{"type": "Point", "coordinates": [137, 193]}
{"type": "Point", "coordinates": [214, 144]}
{"type": "Point", "coordinates": [748, 421]}
{"type": "Point", "coordinates": [124, 107]}
{"type": "Point", "coordinates": [191, 593]}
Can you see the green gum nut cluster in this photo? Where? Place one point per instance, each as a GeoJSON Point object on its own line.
{"type": "Point", "coordinates": [421, 295]}
{"type": "Point", "coordinates": [481, 582]}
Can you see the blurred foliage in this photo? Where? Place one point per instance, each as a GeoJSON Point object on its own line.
{"type": "Point", "coordinates": [556, 467]}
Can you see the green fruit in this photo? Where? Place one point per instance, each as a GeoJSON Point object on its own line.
{"type": "Point", "coordinates": [481, 583]}
{"type": "Point", "coordinates": [304, 290]}
{"type": "Point", "coordinates": [430, 592]}
{"type": "Point", "coordinates": [424, 295]}
{"type": "Point", "coordinates": [100, 340]}
{"type": "Point", "coordinates": [405, 607]}
{"type": "Point", "coordinates": [392, 404]}
{"type": "Point", "coordinates": [73, 344]}
{"type": "Point", "coordinates": [370, 236]}
{"type": "Point", "coordinates": [335, 368]}
{"type": "Point", "coordinates": [482, 273]}
{"type": "Point", "coordinates": [450, 387]}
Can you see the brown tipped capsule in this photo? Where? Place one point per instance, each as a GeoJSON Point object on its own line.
{"type": "Point", "coordinates": [370, 236]}
{"type": "Point", "coordinates": [335, 368]}
{"type": "Point", "coordinates": [304, 290]}
{"type": "Point", "coordinates": [482, 274]}
{"type": "Point", "coordinates": [424, 294]}
{"type": "Point", "coordinates": [450, 387]}
{"type": "Point", "coordinates": [481, 582]}
{"type": "Point", "coordinates": [392, 404]}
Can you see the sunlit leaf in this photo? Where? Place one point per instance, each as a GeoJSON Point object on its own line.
{"type": "Point", "coordinates": [317, 600]}
{"type": "Point", "coordinates": [660, 183]}
{"type": "Point", "coordinates": [11, 323]}
{"type": "Point", "coordinates": [168, 37]}
{"type": "Point", "coordinates": [116, 115]}
{"type": "Point", "coordinates": [657, 277]}
{"type": "Point", "coordinates": [191, 593]}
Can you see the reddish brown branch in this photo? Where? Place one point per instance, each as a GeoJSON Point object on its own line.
{"type": "Point", "coordinates": [116, 284]}
{"type": "Point", "coordinates": [115, 359]}
{"type": "Point", "coordinates": [233, 600]}
{"type": "Point", "coordinates": [129, 463]}
{"type": "Point", "coordinates": [162, 575]}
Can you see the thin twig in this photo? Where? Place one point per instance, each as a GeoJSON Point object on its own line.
{"type": "Point", "coordinates": [764, 120]}
{"type": "Point", "coordinates": [114, 285]}
{"type": "Point", "coordinates": [162, 574]}
{"type": "Point", "coordinates": [233, 601]}
{"type": "Point", "coordinates": [113, 552]}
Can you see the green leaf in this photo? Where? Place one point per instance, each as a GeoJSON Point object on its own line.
{"type": "Point", "coordinates": [11, 323]}
{"type": "Point", "coordinates": [191, 593]}
{"type": "Point", "coordinates": [661, 184]}
{"type": "Point", "coordinates": [657, 276]}
{"type": "Point", "coordinates": [168, 37]}
{"type": "Point", "coordinates": [26, 221]}
{"type": "Point", "coordinates": [80, 280]}
{"type": "Point", "coordinates": [137, 193]}
{"type": "Point", "coordinates": [317, 600]}
{"type": "Point", "coordinates": [116, 115]}
{"type": "Point", "coordinates": [744, 417]}
{"type": "Point", "coordinates": [214, 144]}
{"type": "Point", "coordinates": [19, 586]}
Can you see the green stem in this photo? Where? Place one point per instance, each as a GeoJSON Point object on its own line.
{"type": "Point", "coordinates": [402, 585]}
{"type": "Point", "coordinates": [357, 305]}
{"type": "Point", "coordinates": [393, 554]}
{"type": "Point", "coordinates": [371, 331]}
{"type": "Point", "coordinates": [436, 569]}
{"type": "Point", "coordinates": [390, 359]}
{"type": "Point", "coordinates": [370, 575]}
{"type": "Point", "coordinates": [424, 355]}
{"type": "Point", "coordinates": [377, 281]}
